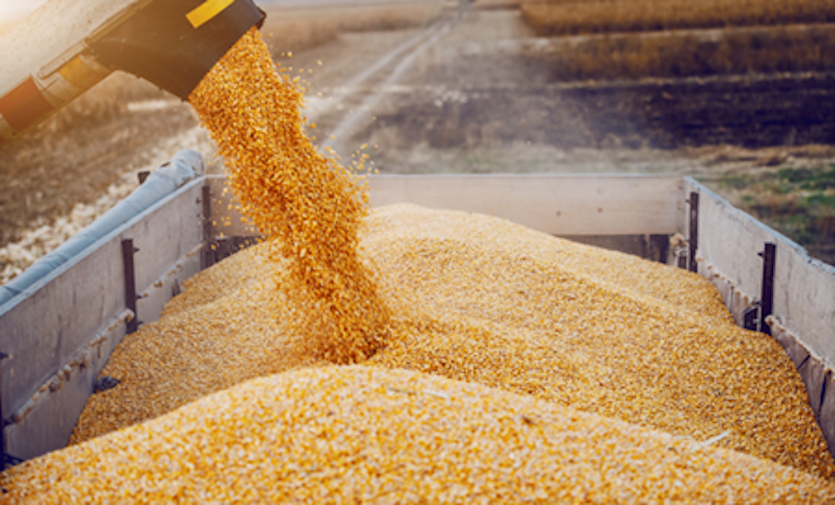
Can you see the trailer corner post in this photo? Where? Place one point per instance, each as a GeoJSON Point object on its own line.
{"type": "Point", "coordinates": [694, 231]}
{"type": "Point", "coordinates": [208, 256]}
{"type": "Point", "coordinates": [769, 256]}
{"type": "Point", "coordinates": [130, 284]}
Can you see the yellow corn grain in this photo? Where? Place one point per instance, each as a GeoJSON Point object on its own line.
{"type": "Point", "coordinates": [480, 299]}
{"type": "Point", "coordinates": [368, 435]}
{"type": "Point", "coordinates": [475, 299]}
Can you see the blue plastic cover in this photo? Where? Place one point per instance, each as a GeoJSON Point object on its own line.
{"type": "Point", "coordinates": [171, 175]}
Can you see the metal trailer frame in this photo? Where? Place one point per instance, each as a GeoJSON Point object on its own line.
{"type": "Point", "coordinates": [59, 333]}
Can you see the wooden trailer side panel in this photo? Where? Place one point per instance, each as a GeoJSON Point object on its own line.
{"type": "Point", "coordinates": [626, 212]}
{"type": "Point", "coordinates": [552, 203]}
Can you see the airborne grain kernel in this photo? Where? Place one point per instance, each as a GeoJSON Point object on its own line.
{"type": "Point", "coordinates": [310, 207]}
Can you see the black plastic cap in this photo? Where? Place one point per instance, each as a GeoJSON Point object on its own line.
{"type": "Point", "coordinates": [160, 44]}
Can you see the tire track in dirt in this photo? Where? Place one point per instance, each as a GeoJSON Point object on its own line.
{"type": "Point", "coordinates": [47, 233]}
{"type": "Point", "coordinates": [411, 50]}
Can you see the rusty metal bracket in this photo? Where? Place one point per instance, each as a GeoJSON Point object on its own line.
{"type": "Point", "coordinates": [9, 460]}
{"type": "Point", "coordinates": [227, 246]}
{"type": "Point", "coordinates": [751, 317]}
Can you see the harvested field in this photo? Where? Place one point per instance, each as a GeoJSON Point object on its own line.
{"type": "Point", "coordinates": [692, 53]}
{"type": "Point", "coordinates": [753, 112]}
{"type": "Point", "coordinates": [571, 17]}
{"type": "Point", "coordinates": [497, 4]}
{"type": "Point", "coordinates": [78, 153]}
{"type": "Point", "coordinates": [798, 201]}
{"type": "Point", "coordinates": [668, 38]}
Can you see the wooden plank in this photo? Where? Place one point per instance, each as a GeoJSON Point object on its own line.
{"type": "Point", "coordinates": [804, 300]}
{"type": "Point", "coordinates": [165, 237]}
{"type": "Point", "coordinates": [153, 299]}
{"type": "Point", "coordinates": [49, 424]}
{"type": "Point", "coordinates": [557, 204]}
{"type": "Point", "coordinates": [63, 312]}
{"type": "Point", "coordinates": [169, 245]}
{"type": "Point", "coordinates": [729, 241]}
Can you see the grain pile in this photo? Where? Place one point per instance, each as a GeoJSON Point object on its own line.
{"type": "Point", "coordinates": [361, 434]}
{"type": "Point", "coordinates": [480, 299]}
{"type": "Point", "coordinates": [507, 334]}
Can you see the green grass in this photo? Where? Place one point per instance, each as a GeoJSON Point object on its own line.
{"type": "Point", "coordinates": [797, 201]}
{"type": "Point", "coordinates": [808, 179]}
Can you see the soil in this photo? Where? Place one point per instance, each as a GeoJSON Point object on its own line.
{"type": "Point", "coordinates": [476, 91]}
{"type": "Point", "coordinates": [44, 174]}
{"type": "Point", "coordinates": [754, 112]}
{"type": "Point", "coordinates": [751, 111]}
{"type": "Point", "coordinates": [440, 99]}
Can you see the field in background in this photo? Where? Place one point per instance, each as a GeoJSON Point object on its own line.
{"type": "Point", "coordinates": [798, 201]}
{"type": "Point", "coordinates": [695, 53]}
{"type": "Point", "coordinates": [81, 153]}
{"type": "Point", "coordinates": [497, 4]}
{"type": "Point", "coordinates": [571, 17]}
{"type": "Point", "coordinates": [294, 29]}
{"type": "Point", "coordinates": [75, 155]}
{"type": "Point", "coordinates": [758, 44]}
{"type": "Point", "coordinates": [628, 39]}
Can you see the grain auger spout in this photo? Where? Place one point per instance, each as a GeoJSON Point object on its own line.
{"type": "Point", "coordinates": [66, 47]}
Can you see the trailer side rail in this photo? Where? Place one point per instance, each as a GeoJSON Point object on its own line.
{"type": "Point", "coordinates": [733, 248]}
